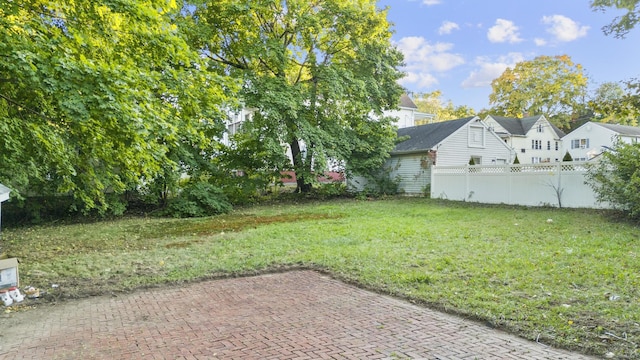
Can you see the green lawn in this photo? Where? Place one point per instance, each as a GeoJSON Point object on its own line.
{"type": "Point", "coordinates": [569, 278]}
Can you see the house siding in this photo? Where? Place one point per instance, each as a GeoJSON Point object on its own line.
{"type": "Point", "coordinates": [413, 171]}
{"type": "Point", "coordinates": [597, 136]}
{"type": "Point", "coordinates": [455, 150]}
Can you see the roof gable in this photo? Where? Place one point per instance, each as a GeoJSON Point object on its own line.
{"type": "Point", "coordinates": [521, 127]}
{"type": "Point", "coordinates": [425, 137]}
{"type": "Point", "coordinates": [406, 102]}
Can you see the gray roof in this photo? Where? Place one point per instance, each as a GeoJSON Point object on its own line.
{"type": "Point", "coordinates": [622, 129]}
{"type": "Point", "coordinates": [425, 137]}
{"type": "Point", "coordinates": [406, 102]}
{"type": "Point", "coordinates": [522, 126]}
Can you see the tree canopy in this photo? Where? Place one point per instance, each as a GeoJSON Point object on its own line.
{"type": "Point", "coordinates": [95, 96]}
{"type": "Point", "coordinates": [320, 74]}
{"type": "Point", "coordinates": [553, 86]}
{"type": "Point", "coordinates": [432, 103]}
{"type": "Point", "coordinates": [620, 26]}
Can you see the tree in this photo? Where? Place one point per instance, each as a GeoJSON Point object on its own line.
{"type": "Point", "coordinates": [611, 103]}
{"type": "Point", "coordinates": [616, 178]}
{"type": "Point", "coordinates": [620, 25]}
{"type": "Point", "coordinates": [432, 103]}
{"type": "Point", "coordinates": [96, 96]}
{"type": "Point", "coordinates": [320, 73]}
{"type": "Point", "coordinates": [552, 86]}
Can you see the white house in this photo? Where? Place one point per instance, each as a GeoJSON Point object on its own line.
{"type": "Point", "coordinates": [534, 139]}
{"type": "Point", "coordinates": [407, 113]}
{"type": "Point", "coordinates": [593, 138]}
{"type": "Point", "coordinates": [446, 143]}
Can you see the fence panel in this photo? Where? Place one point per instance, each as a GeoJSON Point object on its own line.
{"type": "Point", "coordinates": [557, 184]}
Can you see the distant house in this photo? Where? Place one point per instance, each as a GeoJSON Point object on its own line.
{"type": "Point", "coordinates": [593, 138]}
{"type": "Point", "coordinates": [534, 138]}
{"type": "Point", "coordinates": [446, 143]}
{"type": "Point", "coordinates": [408, 113]}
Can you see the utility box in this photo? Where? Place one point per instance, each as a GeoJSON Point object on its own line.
{"type": "Point", "coordinates": [9, 273]}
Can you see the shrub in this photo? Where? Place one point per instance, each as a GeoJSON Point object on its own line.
{"type": "Point", "coordinates": [616, 178]}
{"type": "Point", "coordinates": [198, 199]}
{"type": "Point", "coordinates": [567, 157]}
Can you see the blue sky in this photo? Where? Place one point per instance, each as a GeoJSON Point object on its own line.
{"type": "Point", "coordinates": [459, 46]}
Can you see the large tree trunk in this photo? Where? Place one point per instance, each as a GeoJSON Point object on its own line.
{"type": "Point", "coordinates": [298, 166]}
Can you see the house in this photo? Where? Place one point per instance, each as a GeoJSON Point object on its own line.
{"type": "Point", "coordinates": [593, 138]}
{"type": "Point", "coordinates": [407, 113]}
{"type": "Point", "coordinates": [534, 138]}
{"type": "Point", "coordinates": [447, 143]}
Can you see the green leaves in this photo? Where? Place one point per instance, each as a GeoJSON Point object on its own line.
{"type": "Point", "coordinates": [620, 25]}
{"type": "Point", "coordinates": [98, 94]}
{"type": "Point", "coordinates": [550, 86]}
{"type": "Point", "coordinates": [317, 72]}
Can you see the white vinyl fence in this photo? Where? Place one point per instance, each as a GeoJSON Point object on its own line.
{"type": "Point", "coordinates": [550, 184]}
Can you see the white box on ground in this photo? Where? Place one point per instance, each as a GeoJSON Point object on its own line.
{"type": "Point", "coordinates": [9, 273]}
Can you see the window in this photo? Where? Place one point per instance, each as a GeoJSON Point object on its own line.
{"type": "Point", "coordinates": [523, 150]}
{"type": "Point", "coordinates": [548, 145]}
{"type": "Point", "coordinates": [540, 128]}
{"type": "Point", "coordinates": [536, 144]}
{"type": "Point", "coordinates": [556, 146]}
{"type": "Point", "coordinates": [536, 160]}
{"type": "Point", "coordinates": [579, 143]}
{"type": "Point", "coordinates": [476, 136]}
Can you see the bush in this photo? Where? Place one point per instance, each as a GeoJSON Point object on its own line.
{"type": "Point", "coordinates": [616, 178]}
{"type": "Point", "coordinates": [199, 199]}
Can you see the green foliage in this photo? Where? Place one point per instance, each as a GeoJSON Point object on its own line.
{"type": "Point", "coordinates": [616, 178]}
{"type": "Point", "coordinates": [549, 86]}
{"type": "Point", "coordinates": [472, 161]}
{"type": "Point", "coordinates": [380, 183]}
{"type": "Point", "coordinates": [516, 160]}
{"type": "Point", "coordinates": [614, 104]}
{"type": "Point", "coordinates": [432, 103]}
{"type": "Point", "coordinates": [620, 25]}
{"type": "Point", "coordinates": [95, 96]}
{"type": "Point", "coordinates": [320, 75]}
{"type": "Point", "coordinates": [198, 199]}
{"type": "Point", "coordinates": [567, 157]}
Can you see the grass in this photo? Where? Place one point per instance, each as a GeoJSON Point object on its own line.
{"type": "Point", "coordinates": [573, 282]}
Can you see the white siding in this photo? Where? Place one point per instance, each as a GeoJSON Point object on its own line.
{"type": "Point", "coordinates": [597, 137]}
{"type": "Point", "coordinates": [456, 149]}
{"type": "Point", "coordinates": [546, 138]}
{"type": "Point", "coordinates": [413, 171]}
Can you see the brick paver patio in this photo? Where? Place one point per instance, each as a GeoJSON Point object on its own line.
{"type": "Point", "coordinates": [293, 315]}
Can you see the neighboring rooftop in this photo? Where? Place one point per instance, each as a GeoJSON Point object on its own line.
{"type": "Point", "coordinates": [522, 126]}
{"type": "Point", "coordinates": [622, 129]}
{"type": "Point", "coordinates": [425, 137]}
{"type": "Point", "coordinates": [406, 102]}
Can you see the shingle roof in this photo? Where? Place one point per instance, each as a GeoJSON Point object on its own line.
{"type": "Point", "coordinates": [425, 137]}
{"type": "Point", "coordinates": [622, 129]}
{"type": "Point", "coordinates": [406, 102]}
{"type": "Point", "coordinates": [522, 126]}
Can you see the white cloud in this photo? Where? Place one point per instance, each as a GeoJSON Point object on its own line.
{"type": "Point", "coordinates": [489, 69]}
{"type": "Point", "coordinates": [423, 59]}
{"type": "Point", "coordinates": [563, 28]}
{"type": "Point", "coordinates": [504, 31]}
{"type": "Point", "coordinates": [431, 2]}
{"type": "Point", "coordinates": [447, 27]}
{"type": "Point", "coordinates": [540, 42]}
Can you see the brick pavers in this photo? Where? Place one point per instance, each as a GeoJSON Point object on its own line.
{"type": "Point", "coordinates": [294, 315]}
